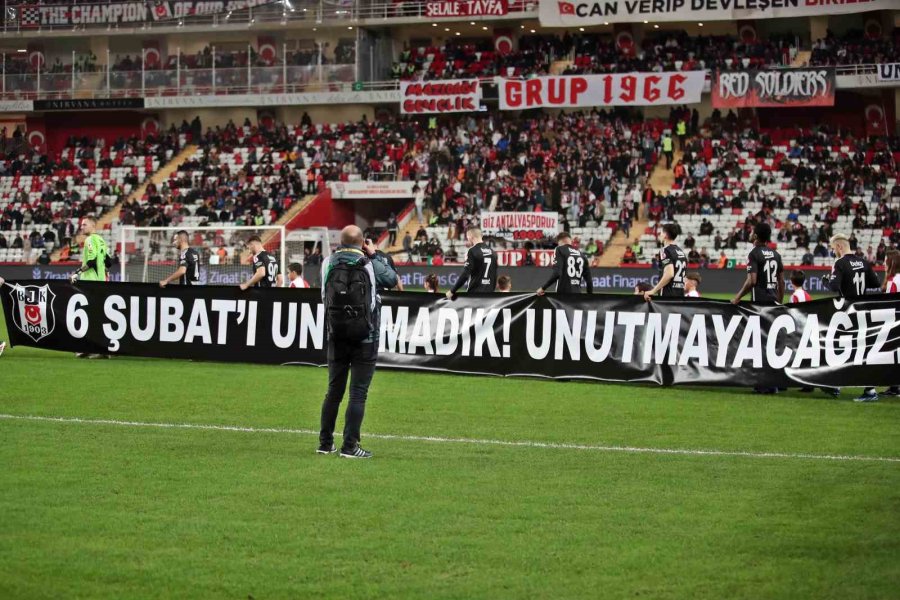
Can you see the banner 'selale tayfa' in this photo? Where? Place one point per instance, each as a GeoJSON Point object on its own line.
{"type": "Point", "coordinates": [601, 337]}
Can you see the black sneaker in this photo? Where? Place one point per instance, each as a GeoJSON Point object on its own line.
{"type": "Point", "coordinates": [868, 395]}
{"type": "Point", "coordinates": [355, 453]}
{"type": "Point", "coordinates": [326, 449]}
{"type": "Point", "coordinates": [894, 390]}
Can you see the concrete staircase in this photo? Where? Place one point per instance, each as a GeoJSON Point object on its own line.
{"type": "Point", "coordinates": [661, 180]}
{"type": "Point", "coordinates": [412, 226]}
{"type": "Point", "coordinates": [106, 219]}
{"type": "Point", "coordinates": [286, 217]}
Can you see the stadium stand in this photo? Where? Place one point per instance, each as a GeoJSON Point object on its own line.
{"type": "Point", "coordinates": [807, 185]}
{"type": "Point", "coordinates": [856, 48]}
{"type": "Point", "coordinates": [42, 198]}
{"type": "Point", "coordinates": [590, 53]}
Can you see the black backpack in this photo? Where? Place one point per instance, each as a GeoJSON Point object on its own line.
{"type": "Point", "coordinates": [348, 301]}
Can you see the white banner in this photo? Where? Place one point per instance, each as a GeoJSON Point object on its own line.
{"type": "Point", "coordinates": [889, 72]}
{"type": "Point", "coordinates": [618, 89]}
{"type": "Point", "coordinates": [16, 106]}
{"type": "Point", "coordinates": [560, 13]}
{"type": "Point", "coordinates": [364, 190]}
{"type": "Point", "coordinates": [454, 95]}
{"type": "Point", "coordinates": [298, 99]}
{"type": "Point", "coordinates": [520, 225]}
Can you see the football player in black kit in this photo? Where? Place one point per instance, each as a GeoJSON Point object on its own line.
{"type": "Point", "coordinates": [480, 270]}
{"type": "Point", "coordinates": [853, 277]}
{"type": "Point", "coordinates": [188, 271]}
{"type": "Point", "coordinates": [765, 271]}
{"type": "Point", "coordinates": [570, 267]}
{"type": "Point", "coordinates": [265, 267]}
{"type": "Point", "coordinates": [672, 264]}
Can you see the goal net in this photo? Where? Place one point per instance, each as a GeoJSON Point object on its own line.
{"type": "Point", "coordinates": [148, 254]}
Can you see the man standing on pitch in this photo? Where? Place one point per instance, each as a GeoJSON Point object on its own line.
{"type": "Point", "coordinates": [672, 264]}
{"type": "Point", "coordinates": [765, 271]}
{"type": "Point", "coordinates": [188, 271]}
{"type": "Point", "coordinates": [480, 270]}
{"type": "Point", "coordinates": [853, 277]}
{"type": "Point", "coordinates": [351, 277]}
{"type": "Point", "coordinates": [94, 254]}
{"type": "Point", "coordinates": [569, 270]}
{"type": "Point", "coordinates": [265, 267]}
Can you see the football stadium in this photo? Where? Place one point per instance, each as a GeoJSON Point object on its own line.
{"type": "Point", "coordinates": [450, 299]}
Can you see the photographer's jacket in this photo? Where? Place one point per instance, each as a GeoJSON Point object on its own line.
{"type": "Point", "coordinates": [379, 271]}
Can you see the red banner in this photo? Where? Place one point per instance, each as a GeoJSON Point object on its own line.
{"type": "Point", "coordinates": [466, 8]}
{"type": "Point", "coordinates": [774, 88]}
{"type": "Point", "coordinates": [621, 89]}
{"type": "Point", "coordinates": [516, 258]}
{"type": "Point", "coordinates": [418, 97]}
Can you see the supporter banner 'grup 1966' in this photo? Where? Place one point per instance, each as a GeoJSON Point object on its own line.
{"type": "Point", "coordinates": [574, 13]}
{"type": "Point", "coordinates": [774, 88]}
{"type": "Point", "coordinates": [618, 89]}
{"type": "Point", "coordinates": [520, 225]}
{"type": "Point", "coordinates": [455, 95]}
{"type": "Point", "coordinates": [601, 337]}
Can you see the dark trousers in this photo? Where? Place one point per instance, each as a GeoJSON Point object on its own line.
{"type": "Point", "coordinates": [358, 361]}
{"type": "Point", "coordinates": [392, 237]}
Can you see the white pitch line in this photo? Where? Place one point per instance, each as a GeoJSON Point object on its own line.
{"type": "Point", "coordinates": [471, 441]}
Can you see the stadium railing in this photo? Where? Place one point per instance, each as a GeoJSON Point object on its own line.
{"type": "Point", "coordinates": [219, 81]}
{"type": "Point", "coordinates": [314, 12]}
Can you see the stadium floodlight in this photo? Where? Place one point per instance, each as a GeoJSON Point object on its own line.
{"type": "Point", "coordinates": [146, 254]}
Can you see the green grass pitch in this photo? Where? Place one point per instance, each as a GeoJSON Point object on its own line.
{"type": "Point", "coordinates": [117, 510]}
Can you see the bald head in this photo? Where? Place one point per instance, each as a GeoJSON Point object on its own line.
{"type": "Point", "coordinates": [351, 235]}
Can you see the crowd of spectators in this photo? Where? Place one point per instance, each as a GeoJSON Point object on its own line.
{"type": "Point", "coordinates": [44, 195]}
{"type": "Point", "coordinates": [856, 48]}
{"type": "Point", "coordinates": [821, 181]}
{"type": "Point", "coordinates": [591, 53]}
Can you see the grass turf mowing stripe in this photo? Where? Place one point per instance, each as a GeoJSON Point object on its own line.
{"type": "Point", "coordinates": [472, 441]}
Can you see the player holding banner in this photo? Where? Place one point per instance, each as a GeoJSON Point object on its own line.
{"type": "Point", "coordinates": [853, 277]}
{"type": "Point", "coordinates": [672, 263]}
{"type": "Point", "coordinates": [570, 267]}
{"type": "Point", "coordinates": [480, 270]}
{"type": "Point", "coordinates": [265, 267]}
{"type": "Point", "coordinates": [188, 271]}
{"type": "Point", "coordinates": [94, 254]}
{"type": "Point", "coordinates": [765, 271]}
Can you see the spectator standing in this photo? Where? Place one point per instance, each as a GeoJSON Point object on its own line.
{"type": "Point", "coordinates": [351, 277]}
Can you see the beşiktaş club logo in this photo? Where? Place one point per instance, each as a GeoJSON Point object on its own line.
{"type": "Point", "coordinates": [33, 310]}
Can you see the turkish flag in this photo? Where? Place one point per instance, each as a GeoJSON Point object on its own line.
{"type": "Point", "coordinates": [566, 8]}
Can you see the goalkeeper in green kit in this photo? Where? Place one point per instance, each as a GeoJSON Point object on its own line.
{"type": "Point", "coordinates": [94, 254]}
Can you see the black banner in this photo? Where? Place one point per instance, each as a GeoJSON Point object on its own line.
{"type": "Point", "coordinates": [601, 337]}
{"type": "Point", "coordinates": [108, 13]}
{"type": "Point", "coordinates": [605, 279]}
{"type": "Point", "coordinates": [89, 104]}
{"type": "Point", "coordinates": [774, 88]}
